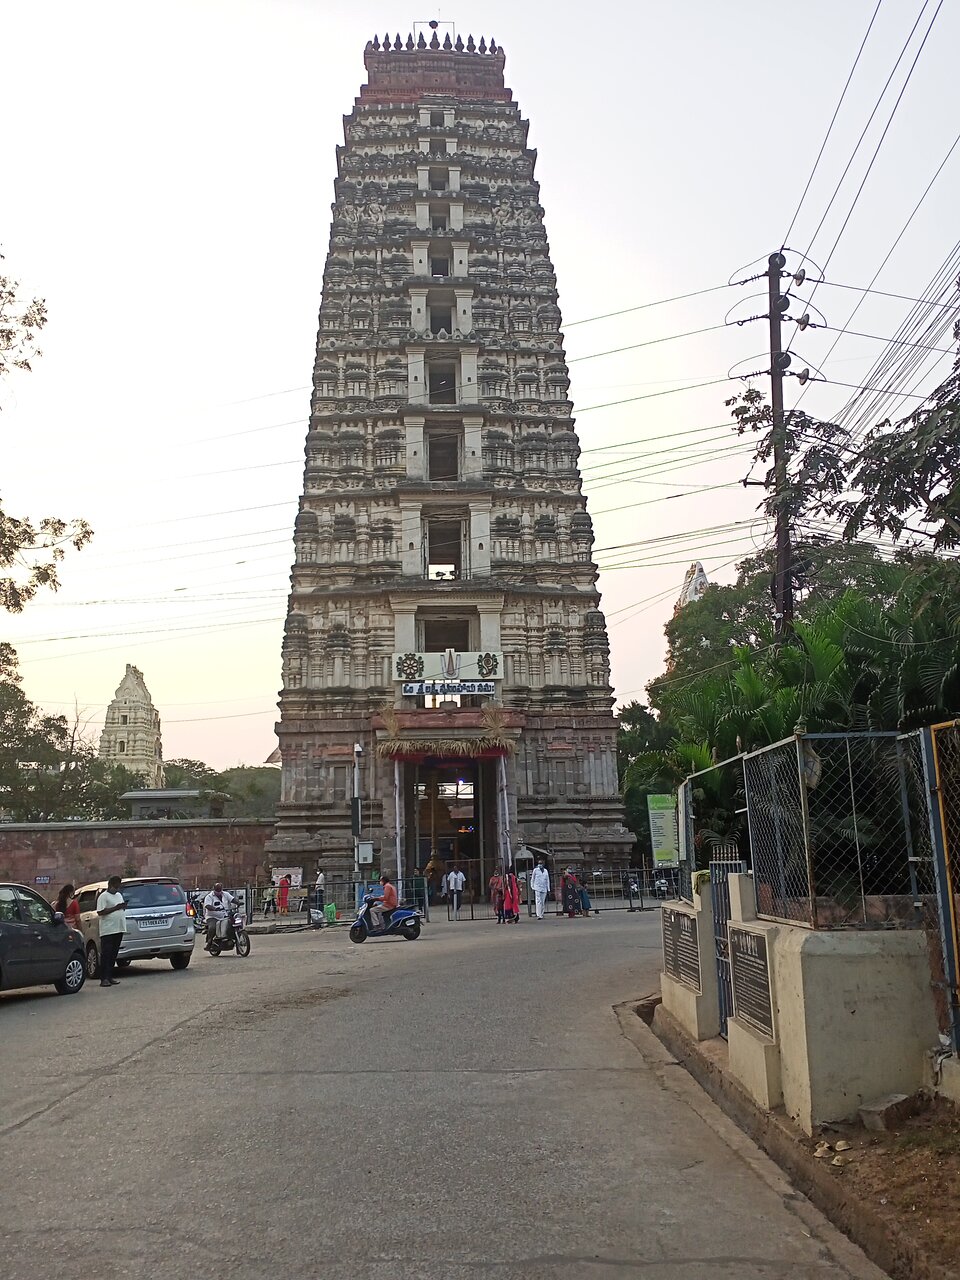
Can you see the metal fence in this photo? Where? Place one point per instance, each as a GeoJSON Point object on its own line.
{"type": "Point", "coordinates": [712, 820]}
{"type": "Point", "coordinates": [830, 831]}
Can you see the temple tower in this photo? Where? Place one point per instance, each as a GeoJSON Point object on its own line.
{"type": "Point", "coordinates": [444, 632]}
{"type": "Point", "coordinates": [131, 730]}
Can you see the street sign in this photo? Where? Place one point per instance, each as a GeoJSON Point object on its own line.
{"type": "Point", "coordinates": [42, 879]}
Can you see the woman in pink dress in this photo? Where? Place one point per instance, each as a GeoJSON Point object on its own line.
{"type": "Point", "coordinates": [283, 895]}
{"type": "Point", "coordinates": [511, 898]}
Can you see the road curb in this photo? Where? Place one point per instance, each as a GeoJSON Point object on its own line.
{"type": "Point", "coordinates": [664, 1044]}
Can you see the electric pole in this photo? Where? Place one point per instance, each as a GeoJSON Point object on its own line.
{"type": "Point", "coordinates": [779, 361]}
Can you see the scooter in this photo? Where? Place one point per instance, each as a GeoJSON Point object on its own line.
{"type": "Point", "coordinates": [404, 922]}
{"type": "Point", "coordinates": [233, 938]}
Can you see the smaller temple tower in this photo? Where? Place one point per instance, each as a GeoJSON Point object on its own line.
{"type": "Point", "coordinates": [131, 730]}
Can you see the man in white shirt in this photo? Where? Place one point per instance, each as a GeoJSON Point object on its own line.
{"type": "Point", "coordinates": [319, 887]}
{"type": "Point", "coordinates": [540, 884]}
{"type": "Point", "coordinates": [454, 887]}
{"type": "Point", "coordinates": [217, 906]}
{"type": "Point", "coordinates": [112, 920]}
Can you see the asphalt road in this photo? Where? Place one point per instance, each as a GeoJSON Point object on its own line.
{"type": "Point", "coordinates": [467, 1105]}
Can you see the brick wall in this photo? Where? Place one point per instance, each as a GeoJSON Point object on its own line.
{"type": "Point", "coordinates": [198, 851]}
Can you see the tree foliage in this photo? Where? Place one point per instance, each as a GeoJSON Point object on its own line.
{"type": "Point", "coordinates": [30, 549]}
{"type": "Point", "coordinates": [49, 770]}
{"type": "Point", "coordinates": [908, 474]}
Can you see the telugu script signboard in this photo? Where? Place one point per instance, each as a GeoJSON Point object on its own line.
{"type": "Point", "coordinates": [447, 688]}
{"type": "Point", "coordinates": [664, 836]}
{"type": "Point", "coordinates": [681, 949]}
{"type": "Point", "coordinates": [750, 977]}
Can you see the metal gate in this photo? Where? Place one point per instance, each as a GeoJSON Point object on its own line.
{"type": "Point", "coordinates": [720, 871]}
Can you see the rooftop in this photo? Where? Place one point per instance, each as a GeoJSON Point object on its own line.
{"type": "Point", "coordinates": [404, 71]}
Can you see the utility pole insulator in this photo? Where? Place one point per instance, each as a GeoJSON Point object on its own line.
{"type": "Point", "coordinates": [779, 362]}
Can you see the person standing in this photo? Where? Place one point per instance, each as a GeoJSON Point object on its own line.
{"type": "Point", "coordinates": [270, 900]}
{"type": "Point", "coordinates": [68, 906]}
{"type": "Point", "coordinates": [283, 895]}
{"type": "Point", "coordinates": [540, 884]}
{"type": "Point", "coordinates": [320, 889]}
{"type": "Point", "coordinates": [511, 898]}
{"type": "Point", "coordinates": [496, 895]}
{"type": "Point", "coordinates": [570, 893]}
{"type": "Point", "coordinates": [113, 925]}
{"type": "Point", "coordinates": [454, 888]}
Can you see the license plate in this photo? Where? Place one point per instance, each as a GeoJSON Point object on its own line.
{"type": "Point", "coordinates": [153, 922]}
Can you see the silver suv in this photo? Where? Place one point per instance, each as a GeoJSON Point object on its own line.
{"type": "Point", "coordinates": [160, 922]}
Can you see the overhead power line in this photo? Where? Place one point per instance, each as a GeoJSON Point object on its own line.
{"type": "Point", "coordinates": [833, 120]}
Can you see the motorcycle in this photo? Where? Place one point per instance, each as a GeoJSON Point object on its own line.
{"type": "Point", "coordinates": [232, 937]}
{"type": "Point", "coordinates": [404, 922]}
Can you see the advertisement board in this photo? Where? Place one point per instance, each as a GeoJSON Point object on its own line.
{"type": "Point", "coordinates": [664, 836]}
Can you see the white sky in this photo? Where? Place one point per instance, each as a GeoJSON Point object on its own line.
{"type": "Point", "coordinates": [167, 177]}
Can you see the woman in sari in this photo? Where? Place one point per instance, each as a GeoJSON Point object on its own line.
{"type": "Point", "coordinates": [570, 892]}
{"type": "Point", "coordinates": [511, 898]}
{"type": "Point", "coordinates": [283, 895]}
{"type": "Point", "coordinates": [496, 895]}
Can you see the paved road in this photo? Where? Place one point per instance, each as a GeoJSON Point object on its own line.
{"type": "Point", "coordinates": [463, 1106]}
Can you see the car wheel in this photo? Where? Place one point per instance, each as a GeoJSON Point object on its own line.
{"type": "Point", "coordinates": [181, 959]}
{"type": "Point", "coordinates": [125, 963]}
{"type": "Point", "coordinates": [74, 976]}
{"type": "Point", "coordinates": [93, 961]}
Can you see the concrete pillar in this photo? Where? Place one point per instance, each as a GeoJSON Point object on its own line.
{"type": "Point", "coordinates": [423, 177]}
{"type": "Point", "coordinates": [469, 391]}
{"type": "Point", "coordinates": [464, 310]}
{"type": "Point", "coordinates": [490, 625]}
{"type": "Point", "coordinates": [460, 253]}
{"type": "Point", "coordinates": [418, 310]}
{"type": "Point", "coordinates": [454, 177]}
{"type": "Point", "coordinates": [416, 376]}
{"type": "Point", "coordinates": [416, 461]}
{"type": "Point", "coordinates": [423, 215]}
{"type": "Point", "coordinates": [421, 257]}
{"type": "Point", "coordinates": [480, 539]}
{"type": "Point", "coordinates": [472, 447]}
{"type": "Point", "coordinates": [411, 535]}
{"type": "Point", "coordinates": [456, 217]}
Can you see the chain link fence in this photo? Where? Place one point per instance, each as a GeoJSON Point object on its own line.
{"type": "Point", "coordinates": [830, 831]}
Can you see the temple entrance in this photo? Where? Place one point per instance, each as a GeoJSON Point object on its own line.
{"type": "Point", "coordinates": [450, 809]}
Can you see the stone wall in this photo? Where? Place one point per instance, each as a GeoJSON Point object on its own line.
{"type": "Point", "coordinates": [198, 851]}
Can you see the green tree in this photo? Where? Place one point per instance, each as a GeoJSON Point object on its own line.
{"type": "Point", "coordinates": [30, 550]}
{"type": "Point", "coordinates": [254, 790]}
{"type": "Point", "coordinates": [908, 474]}
{"type": "Point", "coordinates": [49, 770]}
{"type": "Point", "coordinates": [639, 732]}
{"type": "Point", "coordinates": [188, 775]}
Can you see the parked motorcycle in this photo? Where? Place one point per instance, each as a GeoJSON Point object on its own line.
{"type": "Point", "coordinates": [404, 922]}
{"type": "Point", "coordinates": [232, 937]}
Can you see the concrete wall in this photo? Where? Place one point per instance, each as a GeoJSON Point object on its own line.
{"type": "Point", "coordinates": [855, 1018]}
{"type": "Point", "coordinates": [197, 851]}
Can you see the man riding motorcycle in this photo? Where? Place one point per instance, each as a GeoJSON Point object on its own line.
{"type": "Point", "coordinates": [381, 908]}
{"type": "Point", "coordinates": [217, 905]}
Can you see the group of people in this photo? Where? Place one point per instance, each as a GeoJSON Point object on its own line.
{"type": "Point", "coordinates": [276, 897]}
{"type": "Point", "coordinates": [505, 896]}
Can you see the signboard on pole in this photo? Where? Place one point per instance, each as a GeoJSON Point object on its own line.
{"type": "Point", "coordinates": [664, 836]}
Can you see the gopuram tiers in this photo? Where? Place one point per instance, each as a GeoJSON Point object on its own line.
{"type": "Point", "coordinates": [444, 628]}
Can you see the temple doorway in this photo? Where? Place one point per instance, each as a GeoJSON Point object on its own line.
{"type": "Point", "coordinates": [450, 808]}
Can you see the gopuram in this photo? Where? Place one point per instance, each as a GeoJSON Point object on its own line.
{"type": "Point", "coordinates": [131, 730]}
{"type": "Point", "coordinates": [444, 636]}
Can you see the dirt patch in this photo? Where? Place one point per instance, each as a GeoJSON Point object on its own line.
{"type": "Point", "coordinates": [306, 999]}
{"type": "Point", "coordinates": [910, 1177]}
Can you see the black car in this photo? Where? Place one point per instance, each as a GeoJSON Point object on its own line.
{"type": "Point", "coordinates": [36, 946]}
